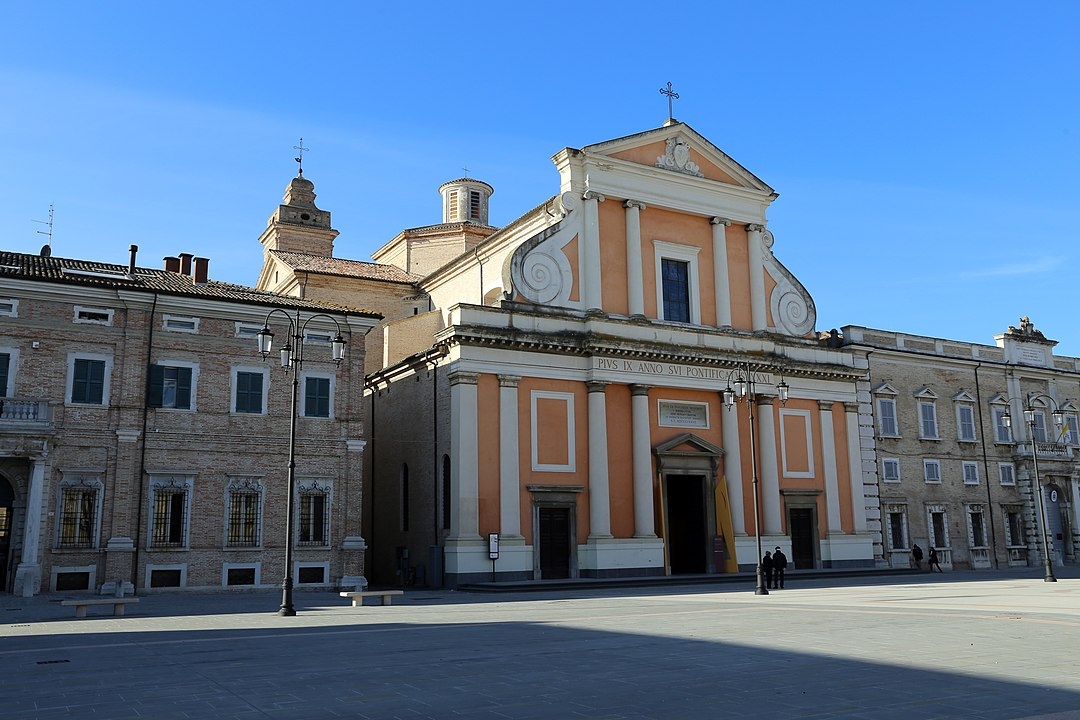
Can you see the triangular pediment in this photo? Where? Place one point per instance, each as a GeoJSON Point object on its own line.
{"type": "Point", "coordinates": [884, 389]}
{"type": "Point", "coordinates": [680, 149]}
{"type": "Point", "coordinates": [688, 444]}
{"type": "Point", "coordinates": [925, 393]}
{"type": "Point", "coordinates": [963, 396]}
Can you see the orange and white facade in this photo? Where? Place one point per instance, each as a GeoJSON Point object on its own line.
{"type": "Point", "coordinates": [580, 357]}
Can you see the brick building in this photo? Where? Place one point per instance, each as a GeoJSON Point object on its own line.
{"type": "Point", "coordinates": [144, 441]}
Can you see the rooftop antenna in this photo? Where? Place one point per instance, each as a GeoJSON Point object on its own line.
{"type": "Point", "coordinates": [300, 158]}
{"type": "Point", "coordinates": [46, 249]}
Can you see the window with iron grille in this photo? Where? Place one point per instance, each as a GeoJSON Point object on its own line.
{"type": "Point", "coordinates": [244, 514]}
{"type": "Point", "coordinates": [169, 511]}
{"type": "Point", "coordinates": [1014, 526]}
{"type": "Point", "coordinates": [976, 527]}
{"type": "Point", "coordinates": [314, 514]}
{"type": "Point", "coordinates": [80, 500]}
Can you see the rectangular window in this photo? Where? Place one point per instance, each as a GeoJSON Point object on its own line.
{"type": "Point", "coordinates": [978, 527]}
{"type": "Point", "coordinates": [314, 528]}
{"type": "Point", "coordinates": [249, 392]}
{"type": "Point", "coordinates": [890, 470]}
{"type": "Point", "coordinates": [170, 517]}
{"type": "Point", "coordinates": [244, 512]}
{"type": "Point", "coordinates": [1069, 434]}
{"type": "Point", "coordinates": [897, 536]}
{"type": "Point", "coordinates": [9, 307]}
{"type": "Point", "coordinates": [939, 536]}
{"type": "Point", "coordinates": [1040, 427]}
{"type": "Point", "coordinates": [932, 471]}
{"type": "Point", "coordinates": [88, 381]}
{"type": "Point", "coordinates": [971, 473]}
{"type": "Point", "coordinates": [78, 510]}
{"type": "Point", "coordinates": [1014, 527]}
{"type": "Point", "coordinates": [5, 363]}
{"type": "Point", "coordinates": [675, 278]}
{"type": "Point", "coordinates": [474, 205]}
{"type": "Point", "coordinates": [170, 387]}
{"type": "Point", "coordinates": [172, 323]}
{"type": "Point", "coordinates": [965, 416]}
{"type": "Point", "coordinates": [93, 316]}
{"type": "Point", "coordinates": [317, 397]}
{"type": "Point", "coordinates": [928, 420]}
{"type": "Point", "coordinates": [887, 417]}
{"type": "Point", "coordinates": [1006, 473]}
{"type": "Point", "coordinates": [452, 202]}
{"type": "Point", "coordinates": [1002, 434]}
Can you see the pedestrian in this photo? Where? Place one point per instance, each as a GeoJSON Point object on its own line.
{"type": "Point", "coordinates": [767, 568]}
{"type": "Point", "coordinates": [779, 565]}
{"type": "Point", "coordinates": [932, 561]}
{"type": "Point", "coordinates": [916, 555]}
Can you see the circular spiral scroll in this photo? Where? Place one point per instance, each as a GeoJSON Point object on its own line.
{"type": "Point", "coordinates": [793, 313]}
{"type": "Point", "coordinates": [541, 277]}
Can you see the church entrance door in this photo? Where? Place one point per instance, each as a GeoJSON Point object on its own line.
{"type": "Point", "coordinates": [554, 542]}
{"type": "Point", "coordinates": [7, 500]}
{"type": "Point", "coordinates": [686, 524]}
{"type": "Point", "coordinates": [801, 525]}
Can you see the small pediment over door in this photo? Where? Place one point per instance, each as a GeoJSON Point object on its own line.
{"type": "Point", "coordinates": [688, 453]}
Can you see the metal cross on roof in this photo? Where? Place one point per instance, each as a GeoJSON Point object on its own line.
{"type": "Point", "coordinates": [671, 95]}
{"type": "Point", "coordinates": [301, 149]}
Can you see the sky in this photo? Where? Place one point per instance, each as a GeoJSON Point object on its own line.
{"type": "Point", "coordinates": [926, 154]}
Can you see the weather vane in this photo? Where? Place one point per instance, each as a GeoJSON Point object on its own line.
{"type": "Point", "coordinates": [671, 95]}
{"type": "Point", "coordinates": [301, 149]}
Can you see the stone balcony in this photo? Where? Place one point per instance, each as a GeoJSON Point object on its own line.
{"type": "Point", "coordinates": [1047, 450]}
{"type": "Point", "coordinates": [22, 414]}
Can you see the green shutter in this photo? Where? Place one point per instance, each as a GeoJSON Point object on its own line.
{"type": "Point", "coordinates": [157, 385]}
{"type": "Point", "coordinates": [183, 388]}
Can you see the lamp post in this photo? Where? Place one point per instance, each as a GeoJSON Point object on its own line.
{"type": "Point", "coordinates": [292, 358]}
{"type": "Point", "coordinates": [744, 389]}
{"type": "Point", "coordinates": [1029, 418]}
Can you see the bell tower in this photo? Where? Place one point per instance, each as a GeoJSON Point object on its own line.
{"type": "Point", "coordinates": [297, 225]}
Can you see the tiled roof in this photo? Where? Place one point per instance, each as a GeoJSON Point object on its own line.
{"type": "Point", "coordinates": [346, 268]}
{"type": "Point", "coordinates": [69, 271]}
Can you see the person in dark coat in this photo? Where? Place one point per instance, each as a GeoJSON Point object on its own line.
{"type": "Point", "coordinates": [779, 560]}
{"type": "Point", "coordinates": [916, 555]}
{"type": "Point", "coordinates": [932, 561]}
{"type": "Point", "coordinates": [767, 568]}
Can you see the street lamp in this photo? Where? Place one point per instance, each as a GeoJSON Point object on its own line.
{"type": "Point", "coordinates": [744, 389]}
{"type": "Point", "coordinates": [1029, 418]}
{"type": "Point", "coordinates": [292, 357]}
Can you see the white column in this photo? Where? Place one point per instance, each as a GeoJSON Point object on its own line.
{"type": "Point", "coordinates": [768, 473]}
{"type": "Point", "coordinates": [635, 291]}
{"type": "Point", "coordinates": [828, 454]}
{"type": "Point", "coordinates": [729, 425]}
{"type": "Point", "coordinates": [858, 497]}
{"type": "Point", "coordinates": [28, 572]}
{"type": "Point", "coordinates": [642, 459]}
{"type": "Point", "coordinates": [720, 271]}
{"type": "Point", "coordinates": [599, 493]}
{"type": "Point", "coordinates": [591, 279]}
{"type": "Point", "coordinates": [509, 458]}
{"type": "Point", "coordinates": [757, 276]}
{"type": "Point", "coordinates": [465, 457]}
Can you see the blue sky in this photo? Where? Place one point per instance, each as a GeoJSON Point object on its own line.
{"type": "Point", "coordinates": [927, 154]}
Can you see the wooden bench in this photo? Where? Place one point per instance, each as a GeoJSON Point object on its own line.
{"type": "Point", "coordinates": [81, 605]}
{"type": "Point", "coordinates": [358, 597]}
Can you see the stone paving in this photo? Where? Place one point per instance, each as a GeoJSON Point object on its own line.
{"type": "Point", "coordinates": [961, 645]}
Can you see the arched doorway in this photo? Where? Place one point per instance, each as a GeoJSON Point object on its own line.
{"type": "Point", "coordinates": [7, 503]}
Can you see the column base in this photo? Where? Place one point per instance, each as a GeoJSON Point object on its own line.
{"type": "Point", "coordinates": [27, 580]}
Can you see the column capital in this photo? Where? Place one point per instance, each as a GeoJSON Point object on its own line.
{"type": "Point", "coordinates": [628, 204]}
{"type": "Point", "coordinates": [720, 221]}
{"type": "Point", "coordinates": [595, 386]}
{"type": "Point", "coordinates": [636, 390]}
{"type": "Point", "coordinates": [764, 399]}
{"type": "Point", "coordinates": [754, 227]}
{"type": "Point", "coordinates": [509, 381]}
{"type": "Point", "coordinates": [851, 407]}
{"type": "Point", "coordinates": [593, 195]}
{"type": "Point", "coordinates": [461, 377]}
{"type": "Point", "coordinates": [824, 405]}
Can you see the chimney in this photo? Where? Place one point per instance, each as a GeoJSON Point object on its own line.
{"type": "Point", "coordinates": [134, 250]}
{"type": "Point", "coordinates": [185, 263]}
{"type": "Point", "coordinates": [201, 264]}
{"type": "Point", "coordinates": [172, 264]}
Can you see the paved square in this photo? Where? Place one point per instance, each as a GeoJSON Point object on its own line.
{"type": "Point", "coordinates": [963, 645]}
